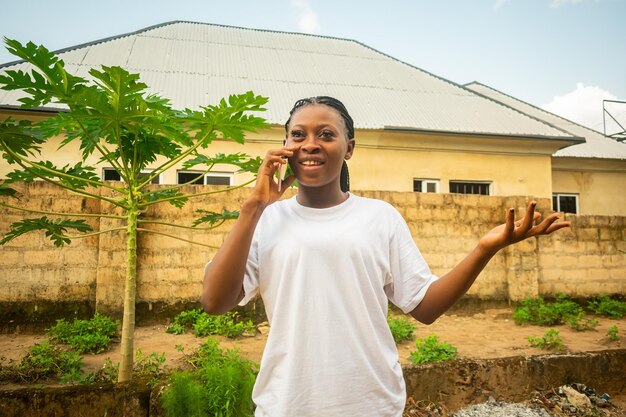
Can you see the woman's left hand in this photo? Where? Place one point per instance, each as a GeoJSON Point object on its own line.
{"type": "Point", "coordinates": [515, 231]}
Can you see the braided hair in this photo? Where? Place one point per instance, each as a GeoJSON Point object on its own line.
{"type": "Point", "coordinates": [344, 179]}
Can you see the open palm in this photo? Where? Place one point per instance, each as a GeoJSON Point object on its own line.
{"type": "Point", "coordinates": [515, 231]}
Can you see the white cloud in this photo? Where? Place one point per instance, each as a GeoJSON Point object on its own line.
{"type": "Point", "coordinates": [308, 21]}
{"type": "Point", "coordinates": [499, 4]}
{"type": "Point", "coordinates": [555, 4]}
{"type": "Point", "coordinates": [583, 105]}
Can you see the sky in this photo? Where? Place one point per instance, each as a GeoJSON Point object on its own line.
{"type": "Point", "coordinates": [565, 56]}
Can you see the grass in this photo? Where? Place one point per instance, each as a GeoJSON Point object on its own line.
{"type": "Point", "coordinates": [220, 384]}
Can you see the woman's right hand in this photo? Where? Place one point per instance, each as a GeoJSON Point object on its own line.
{"type": "Point", "coordinates": [266, 188]}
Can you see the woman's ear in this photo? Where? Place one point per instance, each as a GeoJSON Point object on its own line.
{"type": "Point", "coordinates": [350, 150]}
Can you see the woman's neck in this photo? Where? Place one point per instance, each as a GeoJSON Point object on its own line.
{"type": "Point", "coordinates": [320, 197]}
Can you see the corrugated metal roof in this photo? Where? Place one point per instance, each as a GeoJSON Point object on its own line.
{"type": "Point", "coordinates": [195, 64]}
{"type": "Point", "coordinates": [596, 144]}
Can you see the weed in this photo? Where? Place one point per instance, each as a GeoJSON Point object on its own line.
{"type": "Point", "coordinates": [612, 333]}
{"type": "Point", "coordinates": [608, 307]}
{"type": "Point", "coordinates": [175, 328]}
{"type": "Point", "coordinates": [551, 340]}
{"type": "Point", "coordinates": [203, 324]}
{"type": "Point", "coordinates": [108, 372]}
{"type": "Point", "coordinates": [432, 350]}
{"type": "Point", "coordinates": [152, 366]}
{"type": "Point", "coordinates": [579, 325]}
{"type": "Point", "coordinates": [85, 336]}
{"type": "Point", "coordinates": [401, 328]}
{"type": "Point", "coordinates": [44, 361]}
{"type": "Point", "coordinates": [537, 311]}
{"type": "Point", "coordinates": [219, 385]}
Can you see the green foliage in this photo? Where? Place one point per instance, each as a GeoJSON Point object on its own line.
{"type": "Point", "coordinates": [220, 385]}
{"type": "Point", "coordinates": [54, 229]}
{"type": "Point", "coordinates": [551, 340]}
{"type": "Point", "coordinates": [152, 366]}
{"type": "Point", "coordinates": [431, 349]}
{"type": "Point", "coordinates": [215, 219]}
{"type": "Point", "coordinates": [608, 307]}
{"type": "Point", "coordinates": [203, 324]}
{"type": "Point", "coordinates": [44, 361]}
{"type": "Point", "coordinates": [537, 311]}
{"type": "Point", "coordinates": [580, 325]}
{"type": "Point", "coordinates": [401, 328]}
{"type": "Point", "coordinates": [86, 336]}
{"type": "Point", "coordinates": [612, 333]}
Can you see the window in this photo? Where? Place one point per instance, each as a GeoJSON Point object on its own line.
{"type": "Point", "coordinates": [218, 178]}
{"type": "Point", "coordinates": [425, 186]}
{"type": "Point", "coordinates": [466, 187]}
{"type": "Point", "coordinates": [565, 203]}
{"type": "Point", "coordinates": [145, 173]}
{"type": "Point", "coordinates": [186, 176]}
{"type": "Point", "coordinates": [110, 174]}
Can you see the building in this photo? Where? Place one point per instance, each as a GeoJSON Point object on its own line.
{"type": "Point", "coordinates": [414, 131]}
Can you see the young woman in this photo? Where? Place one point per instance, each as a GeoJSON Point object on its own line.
{"type": "Point", "coordinates": [326, 263]}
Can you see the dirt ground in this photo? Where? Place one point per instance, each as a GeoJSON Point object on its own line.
{"type": "Point", "coordinates": [489, 334]}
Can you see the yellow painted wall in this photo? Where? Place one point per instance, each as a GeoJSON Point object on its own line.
{"type": "Point", "coordinates": [599, 193]}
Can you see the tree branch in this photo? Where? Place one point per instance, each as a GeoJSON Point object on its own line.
{"type": "Point", "coordinates": [181, 226]}
{"type": "Point", "coordinates": [51, 213]}
{"type": "Point", "coordinates": [90, 234]}
{"type": "Point", "coordinates": [149, 203]}
{"type": "Point", "coordinates": [176, 237]}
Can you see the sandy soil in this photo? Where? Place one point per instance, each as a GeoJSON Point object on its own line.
{"type": "Point", "coordinates": [491, 334]}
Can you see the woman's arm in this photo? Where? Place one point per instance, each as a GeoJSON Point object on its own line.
{"type": "Point", "coordinates": [444, 292]}
{"type": "Point", "coordinates": [223, 277]}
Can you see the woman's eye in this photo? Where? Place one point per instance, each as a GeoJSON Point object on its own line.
{"type": "Point", "coordinates": [296, 134]}
{"type": "Point", "coordinates": [327, 134]}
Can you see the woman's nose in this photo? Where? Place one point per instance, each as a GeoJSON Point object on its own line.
{"type": "Point", "coordinates": [310, 145]}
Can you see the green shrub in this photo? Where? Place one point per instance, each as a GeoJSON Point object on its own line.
{"type": "Point", "coordinates": [537, 311]}
{"type": "Point", "coordinates": [612, 333]}
{"type": "Point", "coordinates": [608, 307]}
{"type": "Point", "coordinates": [431, 349]}
{"type": "Point", "coordinates": [580, 325]}
{"type": "Point", "coordinates": [551, 340]}
{"type": "Point", "coordinates": [43, 361]}
{"type": "Point", "coordinates": [220, 385]}
{"type": "Point", "coordinates": [401, 328]}
{"type": "Point", "coordinates": [203, 324]}
{"type": "Point", "coordinates": [86, 336]}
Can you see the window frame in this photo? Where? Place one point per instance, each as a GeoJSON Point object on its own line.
{"type": "Point", "coordinates": [424, 185]}
{"type": "Point", "coordinates": [143, 171]}
{"type": "Point", "coordinates": [489, 185]}
{"type": "Point", "coordinates": [558, 209]}
{"type": "Point", "coordinates": [229, 175]}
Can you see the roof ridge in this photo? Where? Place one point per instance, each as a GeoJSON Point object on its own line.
{"type": "Point", "coordinates": [519, 111]}
{"type": "Point", "coordinates": [537, 108]}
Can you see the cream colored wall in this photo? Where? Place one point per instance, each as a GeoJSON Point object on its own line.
{"type": "Point", "coordinates": [598, 183]}
{"type": "Point", "coordinates": [599, 193]}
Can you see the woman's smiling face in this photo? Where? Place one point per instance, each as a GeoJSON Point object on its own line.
{"type": "Point", "coordinates": [322, 137]}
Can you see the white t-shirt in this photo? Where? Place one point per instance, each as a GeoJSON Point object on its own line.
{"type": "Point", "coordinates": [325, 276]}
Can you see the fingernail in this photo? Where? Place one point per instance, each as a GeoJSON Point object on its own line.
{"type": "Point", "coordinates": [511, 210]}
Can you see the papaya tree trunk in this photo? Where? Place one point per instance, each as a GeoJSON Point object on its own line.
{"type": "Point", "coordinates": [128, 323]}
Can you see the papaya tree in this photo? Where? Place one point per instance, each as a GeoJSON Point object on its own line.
{"type": "Point", "coordinates": [112, 117]}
